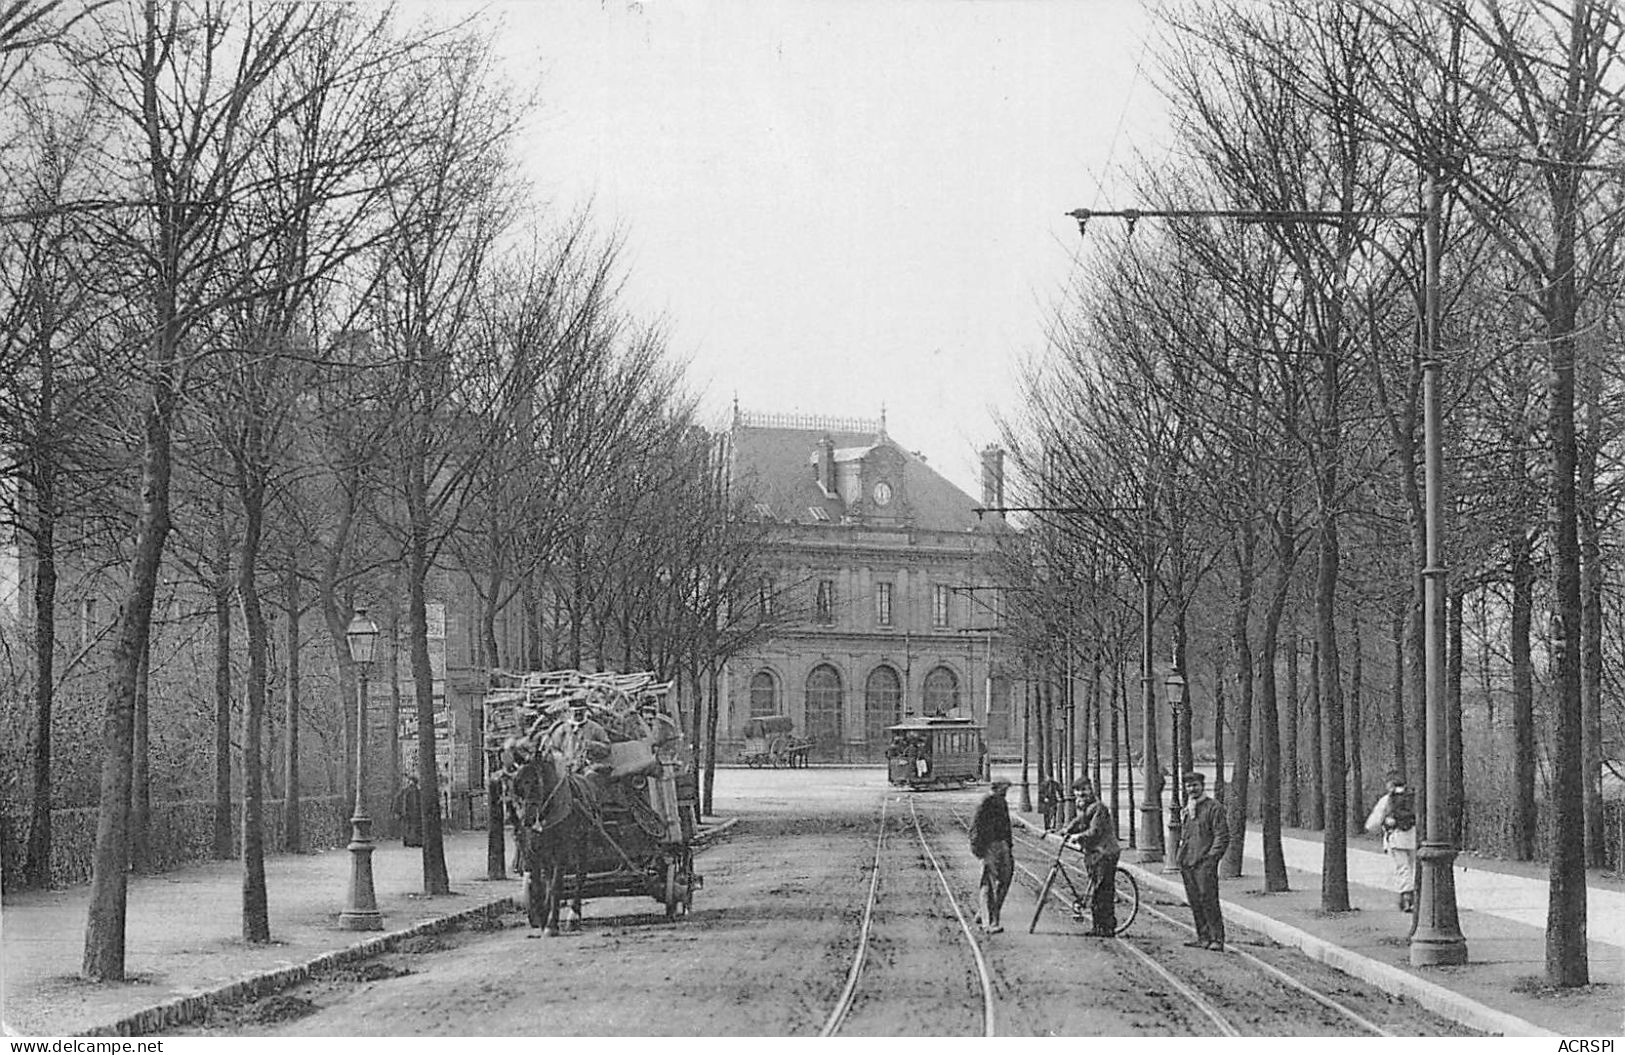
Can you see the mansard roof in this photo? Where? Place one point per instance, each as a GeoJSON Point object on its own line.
{"type": "Point", "coordinates": [776, 466]}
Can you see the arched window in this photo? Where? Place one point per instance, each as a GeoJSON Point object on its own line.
{"type": "Point", "coordinates": [941, 691]}
{"type": "Point", "coordinates": [882, 704]}
{"type": "Point", "coordinates": [764, 695]}
{"type": "Point", "coordinates": [824, 710]}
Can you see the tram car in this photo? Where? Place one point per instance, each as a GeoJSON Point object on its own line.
{"type": "Point", "coordinates": [935, 753]}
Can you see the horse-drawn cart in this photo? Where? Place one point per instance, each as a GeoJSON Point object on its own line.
{"type": "Point", "coordinates": [616, 828]}
{"type": "Point", "coordinates": [771, 741]}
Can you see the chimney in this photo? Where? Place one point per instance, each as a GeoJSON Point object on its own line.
{"type": "Point", "coordinates": [993, 478]}
{"type": "Point", "coordinates": [826, 465]}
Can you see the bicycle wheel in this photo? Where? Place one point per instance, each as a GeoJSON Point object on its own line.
{"type": "Point", "coordinates": [1126, 898]}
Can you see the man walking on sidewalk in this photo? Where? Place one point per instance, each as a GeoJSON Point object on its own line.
{"type": "Point", "coordinates": [991, 841]}
{"type": "Point", "coordinates": [1203, 838]}
{"type": "Point", "coordinates": [1395, 817]}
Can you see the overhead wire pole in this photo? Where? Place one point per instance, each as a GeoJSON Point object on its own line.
{"type": "Point", "coordinates": [1151, 831]}
{"type": "Point", "coordinates": [1436, 938]}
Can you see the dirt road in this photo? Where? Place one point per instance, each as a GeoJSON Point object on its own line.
{"type": "Point", "coordinates": [770, 943]}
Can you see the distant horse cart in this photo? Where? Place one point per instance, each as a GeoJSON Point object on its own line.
{"type": "Point", "coordinates": [621, 828]}
{"type": "Point", "coordinates": [771, 741]}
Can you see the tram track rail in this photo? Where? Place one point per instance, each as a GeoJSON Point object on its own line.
{"type": "Point", "coordinates": [1194, 997]}
{"type": "Point", "coordinates": [853, 986]}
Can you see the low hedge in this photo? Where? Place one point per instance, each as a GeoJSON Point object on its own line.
{"type": "Point", "coordinates": [180, 833]}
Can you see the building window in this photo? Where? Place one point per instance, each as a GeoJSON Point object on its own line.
{"type": "Point", "coordinates": [941, 691]}
{"type": "Point", "coordinates": [882, 704]}
{"type": "Point", "coordinates": [940, 599]}
{"type": "Point", "coordinates": [826, 600]}
{"type": "Point", "coordinates": [824, 710]}
{"type": "Point", "coordinates": [764, 597]}
{"type": "Point", "coordinates": [883, 604]}
{"type": "Point", "coordinates": [764, 695]}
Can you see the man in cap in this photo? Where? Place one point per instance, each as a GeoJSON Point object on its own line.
{"type": "Point", "coordinates": [1203, 838]}
{"type": "Point", "coordinates": [992, 842]}
{"type": "Point", "coordinates": [581, 741]}
{"type": "Point", "coordinates": [662, 733]}
{"type": "Point", "coordinates": [1094, 831]}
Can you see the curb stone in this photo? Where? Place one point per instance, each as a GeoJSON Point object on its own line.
{"type": "Point", "coordinates": [1436, 998]}
{"type": "Point", "coordinates": [185, 1010]}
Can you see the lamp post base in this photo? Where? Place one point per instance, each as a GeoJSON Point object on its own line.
{"type": "Point", "coordinates": [1150, 834]}
{"type": "Point", "coordinates": [361, 913]}
{"type": "Point", "coordinates": [1437, 940]}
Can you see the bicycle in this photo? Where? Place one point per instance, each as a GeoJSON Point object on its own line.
{"type": "Point", "coordinates": [1125, 900]}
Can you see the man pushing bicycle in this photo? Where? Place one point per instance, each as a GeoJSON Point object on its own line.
{"type": "Point", "coordinates": [1094, 832]}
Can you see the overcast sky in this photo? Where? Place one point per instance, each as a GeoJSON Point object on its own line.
{"type": "Point", "coordinates": [842, 204]}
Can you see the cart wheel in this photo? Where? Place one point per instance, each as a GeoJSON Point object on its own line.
{"type": "Point", "coordinates": [676, 902]}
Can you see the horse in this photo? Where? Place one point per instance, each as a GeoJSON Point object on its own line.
{"type": "Point", "coordinates": [552, 809]}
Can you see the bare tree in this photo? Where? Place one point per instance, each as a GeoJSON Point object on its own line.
{"type": "Point", "coordinates": [181, 139]}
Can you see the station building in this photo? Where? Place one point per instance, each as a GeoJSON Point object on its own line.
{"type": "Point", "coordinates": [881, 587]}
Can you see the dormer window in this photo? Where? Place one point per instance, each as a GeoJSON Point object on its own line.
{"type": "Point", "coordinates": [818, 513]}
{"type": "Point", "coordinates": [764, 511]}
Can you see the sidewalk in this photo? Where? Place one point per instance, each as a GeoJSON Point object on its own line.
{"type": "Point", "coordinates": [1502, 911]}
{"type": "Point", "coordinates": [184, 930]}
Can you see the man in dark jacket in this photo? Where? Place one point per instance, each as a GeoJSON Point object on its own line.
{"type": "Point", "coordinates": [1094, 832]}
{"type": "Point", "coordinates": [991, 841]}
{"type": "Point", "coordinates": [1203, 838]}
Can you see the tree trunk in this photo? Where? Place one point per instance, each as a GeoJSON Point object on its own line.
{"type": "Point", "coordinates": [1317, 788]}
{"type": "Point", "coordinates": [1355, 726]}
{"type": "Point", "coordinates": [1415, 766]}
{"type": "Point", "coordinates": [1523, 696]}
{"type": "Point", "coordinates": [1566, 954]}
{"type": "Point", "coordinates": [1292, 799]}
{"type": "Point", "coordinates": [292, 809]}
{"type": "Point", "coordinates": [436, 880]}
{"type": "Point", "coordinates": [1269, 733]}
{"type": "Point", "coordinates": [1240, 616]}
{"type": "Point", "coordinates": [1334, 875]}
{"type": "Point", "coordinates": [1593, 573]}
{"type": "Point", "coordinates": [105, 924]}
{"type": "Point", "coordinates": [1115, 675]}
{"type": "Point", "coordinates": [713, 707]}
{"type": "Point", "coordinates": [222, 693]}
{"type": "Point", "coordinates": [396, 779]}
{"type": "Point", "coordinates": [37, 871]}
{"type": "Point", "coordinates": [1397, 712]}
{"type": "Point", "coordinates": [141, 771]}
{"type": "Point", "coordinates": [1128, 751]}
{"type": "Point", "coordinates": [1455, 786]}
{"type": "Point", "coordinates": [1185, 716]}
{"type": "Point", "coordinates": [256, 910]}
{"type": "Point", "coordinates": [1220, 785]}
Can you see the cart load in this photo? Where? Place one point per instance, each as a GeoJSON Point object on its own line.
{"type": "Point", "coordinates": [595, 787]}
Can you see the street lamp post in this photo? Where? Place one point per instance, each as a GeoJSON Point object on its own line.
{"type": "Point", "coordinates": [361, 911]}
{"type": "Point", "coordinates": [1436, 938]}
{"type": "Point", "coordinates": [1176, 706]}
